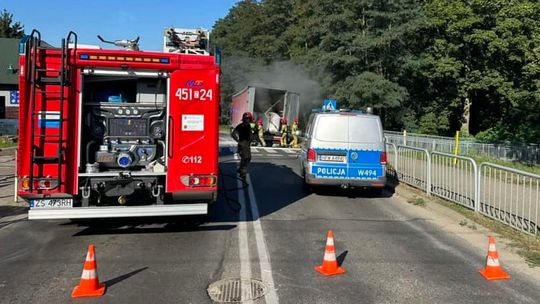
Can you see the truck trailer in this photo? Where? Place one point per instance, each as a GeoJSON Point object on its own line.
{"type": "Point", "coordinates": [269, 105]}
{"type": "Point", "coordinates": [116, 132]}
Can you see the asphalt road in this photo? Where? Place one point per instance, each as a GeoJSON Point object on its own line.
{"type": "Point", "coordinates": [272, 230]}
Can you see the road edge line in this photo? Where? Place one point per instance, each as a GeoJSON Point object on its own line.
{"type": "Point", "coordinates": [243, 246]}
{"type": "Point", "coordinates": [264, 260]}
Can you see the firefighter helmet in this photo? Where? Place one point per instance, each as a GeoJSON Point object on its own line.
{"type": "Point", "coordinates": [259, 122]}
{"type": "Point", "coordinates": [247, 116]}
{"type": "Point", "coordinates": [284, 121]}
{"type": "Point", "coordinates": [296, 120]}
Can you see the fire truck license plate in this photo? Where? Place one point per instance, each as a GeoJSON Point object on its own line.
{"type": "Point", "coordinates": [52, 203]}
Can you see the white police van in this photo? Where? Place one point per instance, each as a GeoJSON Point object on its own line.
{"type": "Point", "coordinates": [344, 148]}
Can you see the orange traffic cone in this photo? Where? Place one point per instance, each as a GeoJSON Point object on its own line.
{"type": "Point", "coordinates": [329, 266]}
{"type": "Point", "coordinates": [89, 285]}
{"type": "Point", "coordinates": [493, 270]}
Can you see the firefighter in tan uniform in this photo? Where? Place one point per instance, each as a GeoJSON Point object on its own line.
{"type": "Point", "coordinates": [284, 131]}
{"type": "Point", "coordinates": [294, 129]}
{"type": "Point", "coordinates": [260, 132]}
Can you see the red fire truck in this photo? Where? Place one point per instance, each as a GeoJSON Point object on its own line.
{"type": "Point", "coordinates": [118, 133]}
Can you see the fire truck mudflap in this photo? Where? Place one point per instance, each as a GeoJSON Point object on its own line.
{"type": "Point", "coordinates": [126, 133]}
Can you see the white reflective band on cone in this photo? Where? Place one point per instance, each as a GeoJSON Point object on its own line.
{"type": "Point", "coordinates": [329, 256]}
{"type": "Point", "coordinates": [492, 262]}
{"type": "Point", "coordinates": [330, 241]}
{"type": "Point", "coordinates": [88, 274]}
{"type": "Point", "coordinates": [89, 257]}
{"type": "Point", "coordinates": [492, 247]}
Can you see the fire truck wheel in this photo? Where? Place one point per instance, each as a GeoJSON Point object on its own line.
{"type": "Point", "coordinates": [211, 211]}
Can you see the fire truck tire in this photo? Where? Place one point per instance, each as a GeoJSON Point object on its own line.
{"type": "Point", "coordinates": [211, 210]}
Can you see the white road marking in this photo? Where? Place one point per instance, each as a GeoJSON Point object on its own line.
{"type": "Point", "coordinates": [255, 150]}
{"type": "Point", "coordinates": [264, 260]}
{"type": "Point", "coordinates": [245, 262]}
{"type": "Point", "coordinates": [13, 218]}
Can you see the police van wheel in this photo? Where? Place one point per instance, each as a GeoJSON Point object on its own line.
{"type": "Point", "coordinates": [377, 191]}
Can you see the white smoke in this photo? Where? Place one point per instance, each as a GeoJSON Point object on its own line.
{"type": "Point", "coordinates": [282, 75]}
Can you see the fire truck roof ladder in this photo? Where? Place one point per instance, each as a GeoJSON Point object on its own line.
{"type": "Point", "coordinates": [40, 79]}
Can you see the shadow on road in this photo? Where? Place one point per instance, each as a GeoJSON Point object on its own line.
{"type": "Point", "coordinates": [144, 225]}
{"type": "Point", "coordinates": [276, 186]}
{"type": "Point", "coordinates": [119, 279]}
{"type": "Point", "coordinates": [12, 210]}
{"type": "Point", "coordinates": [341, 258]}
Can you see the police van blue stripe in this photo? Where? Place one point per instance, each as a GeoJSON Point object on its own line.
{"type": "Point", "coordinates": [361, 164]}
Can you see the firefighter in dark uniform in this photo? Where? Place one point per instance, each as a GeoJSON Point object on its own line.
{"type": "Point", "coordinates": [242, 135]}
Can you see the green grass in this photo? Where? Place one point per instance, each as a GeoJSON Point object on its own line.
{"type": "Point", "coordinates": [6, 142]}
{"type": "Point", "coordinates": [417, 201]}
{"type": "Point", "coordinates": [224, 128]}
{"type": "Point", "coordinates": [535, 169]}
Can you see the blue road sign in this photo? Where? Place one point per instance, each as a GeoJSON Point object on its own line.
{"type": "Point", "coordinates": [14, 97]}
{"type": "Point", "coordinates": [329, 105]}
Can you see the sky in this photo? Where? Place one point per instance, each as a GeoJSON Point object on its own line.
{"type": "Point", "coordinates": [114, 19]}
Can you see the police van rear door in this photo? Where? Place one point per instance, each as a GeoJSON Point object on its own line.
{"type": "Point", "coordinates": [365, 146]}
{"type": "Point", "coordinates": [330, 142]}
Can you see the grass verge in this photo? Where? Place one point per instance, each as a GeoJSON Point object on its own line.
{"type": "Point", "coordinates": [6, 142]}
{"type": "Point", "coordinates": [417, 201]}
{"type": "Point", "coordinates": [224, 128]}
{"type": "Point", "coordinates": [535, 169]}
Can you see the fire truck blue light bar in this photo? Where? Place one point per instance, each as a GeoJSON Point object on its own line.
{"type": "Point", "coordinates": [124, 58]}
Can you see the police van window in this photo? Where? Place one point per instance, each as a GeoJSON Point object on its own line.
{"type": "Point", "coordinates": [364, 129]}
{"type": "Point", "coordinates": [331, 128]}
{"type": "Point", "coordinates": [310, 124]}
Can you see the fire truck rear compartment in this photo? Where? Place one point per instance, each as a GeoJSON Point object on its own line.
{"type": "Point", "coordinates": [122, 140]}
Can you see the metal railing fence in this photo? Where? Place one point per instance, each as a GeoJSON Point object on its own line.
{"type": "Point", "coordinates": [412, 167]}
{"type": "Point", "coordinates": [504, 194]}
{"type": "Point", "coordinates": [454, 178]}
{"type": "Point", "coordinates": [391, 152]}
{"type": "Point", "coordinates": [524, 153]}
{"type": "Point", "coordinates": [510, 196]}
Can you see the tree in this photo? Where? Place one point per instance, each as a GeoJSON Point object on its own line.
{"type": "Point", "coordinates": [485, 54]}
{"type": "Point", "coordinates": [8, 29]}
{"type": "Point", "coordinates": [425, 65]}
